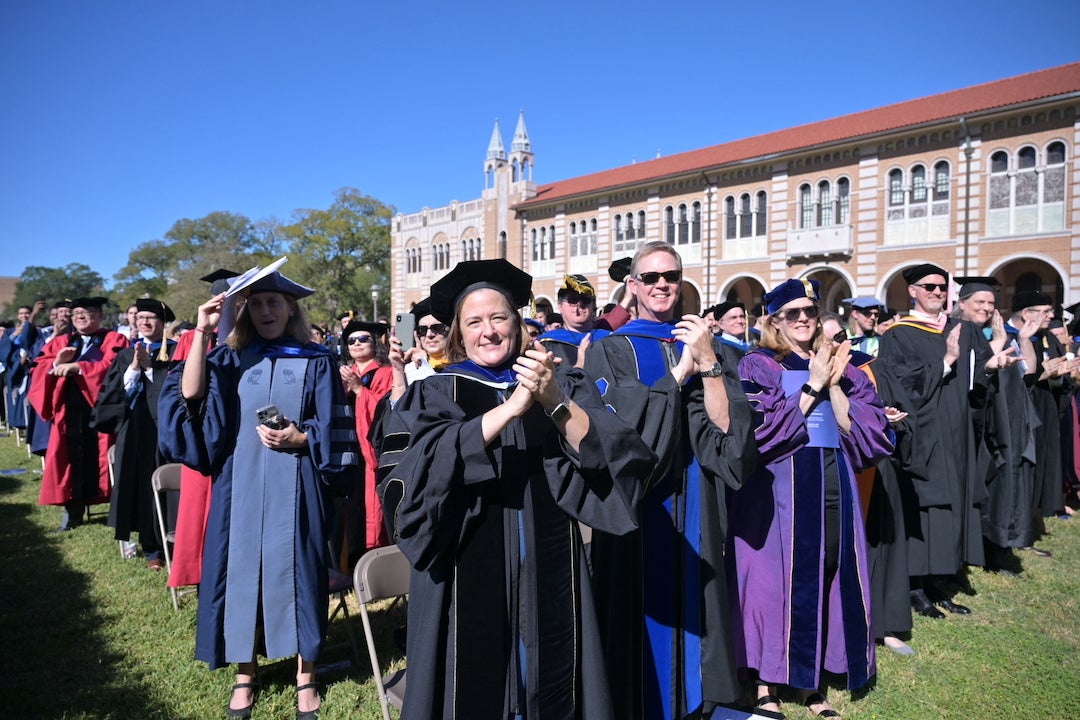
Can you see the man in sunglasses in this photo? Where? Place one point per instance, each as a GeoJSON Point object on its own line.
{"type": "Point", "coordinates": [864, 312]}
{"type": "Point", "coordinates": [661, 601]}
{"type": "Point", "coordinates": [577, 307]}
{"type": "Point", "coordinates": [927, 365]}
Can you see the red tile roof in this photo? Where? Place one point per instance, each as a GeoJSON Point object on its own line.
{"type": "Point", "coordinates": [949, 105]}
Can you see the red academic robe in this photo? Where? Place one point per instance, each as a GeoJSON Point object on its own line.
{"type": "Point", "coordinates": [187, 557]}
{"type": "Point", "coordinates": [48, 395]}
{"type": "Point", "coordinates": [378, 381]}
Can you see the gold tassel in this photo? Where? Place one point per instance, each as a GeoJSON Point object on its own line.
{"type": "Point", "coordinates": [571, 283]}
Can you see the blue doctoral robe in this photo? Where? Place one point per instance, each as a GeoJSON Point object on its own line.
{"type": "Point", "coordinates": [265, 557]}
{"type": "Point", "coordinates": [661, 591]}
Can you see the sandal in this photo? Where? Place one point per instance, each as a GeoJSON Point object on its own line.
{"type": "Point", "coordinates": [307, 714]}
{"type": "Point", "coordinates": [819, 699]}
{"type": "Point", "coordinates": [759, 707]}
{"type": "Point", "coordinates": [245, 712]}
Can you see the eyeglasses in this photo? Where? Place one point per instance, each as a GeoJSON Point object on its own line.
{"type": "Point", "coordinates": [145, 318]}
{"type": "Point", "coordinates": [360, 339]}
{"type": "Point", "coordinates": [792, 315]}
{"type": "Point", "coordinates": [437, 328]}
{"type": "Point", "coordinates": [651, 278]}
{"type": "Point", "coordinates": [580, 300]}
{"type": "Point", "coordinates": [82, 314]}
{"type": "Point", "coordinates": [930, 287]}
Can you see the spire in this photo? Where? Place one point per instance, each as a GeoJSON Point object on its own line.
{"type": "Point", "coordinates": [521, 136]}
{"type": "Point", "coordinates": [496, 151]}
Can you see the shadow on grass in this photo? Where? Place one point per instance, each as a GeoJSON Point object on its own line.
{"type": "Point", "coordinates": [56, 663]}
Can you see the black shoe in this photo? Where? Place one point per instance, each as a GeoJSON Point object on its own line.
{"type": "Point", "coordinates": [306, 714]}
{"type": "Point", "coordinates": [922, 605]}
{"type": "Point", "coordinates": [954, 608]}
{"type": "Point", "coordinates": [245, 712]}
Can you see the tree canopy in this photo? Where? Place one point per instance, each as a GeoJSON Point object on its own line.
{"type": "Point", "coordinates": [54, 284]}
{"type": "Point", "coordinates": [341, 252]}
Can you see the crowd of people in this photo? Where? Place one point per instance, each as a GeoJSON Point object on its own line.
{"type": "Point", "coordinates": [638, 513]}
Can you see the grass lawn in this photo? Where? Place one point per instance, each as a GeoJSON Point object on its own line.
{"type": "Point", "coordinates": [90, 636]}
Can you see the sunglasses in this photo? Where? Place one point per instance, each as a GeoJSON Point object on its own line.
{"type": "Point", "coordinates": [868, 313]}
{"type": "Point", "coordinates": [437, 328]}
{"type": "Point", "coordinates": [840, 337]}
{"type": "Point", "coordinates": [930, 287]}
{"type": "Point", "coordinates": [534, 333]}
{"type": "Point", "coordinates": [792, 315]}
{"type": "Point", "coordinates": [580, 300]}
{"type": "Point", "coordinates": [651, 278]}
{"type": "Point", "coordinates": [360, 339]}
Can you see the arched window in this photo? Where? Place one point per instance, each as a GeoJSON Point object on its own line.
{"type": "Point", "coordinates": [684, 225]}
{"type": "Point", "coordinates": [551, 243]}
{"type": "Point", "coordinates": [729, 218]}
{"type": "Point", "coordinates": [941, 181]}
{"type": "Point", "coordinates": [824, 203]}
{"type": "Point", "coordinates": [746, 217]}
{"type": "Point", "coordinates": [695, 222]}
{"type": "Point", "coordinates": [918, 184]}
{"type": "Point", "coordinates": [762, 221]}
{"type": "Point", "coordinates": [669, 225]}
{"type": "Point", "coordinates": [843, 201]}
{"type": "Point", "coordinates": [896, 187]}
{"type": "Point", "coordinates": [806, 207]}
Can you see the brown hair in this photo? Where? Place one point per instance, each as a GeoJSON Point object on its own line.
{"type": "Point", "coordinates": [298, 327]}
{"type": "Point", "coordinates": [455, 344]}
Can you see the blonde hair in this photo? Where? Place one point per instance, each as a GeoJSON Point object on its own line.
{"type": "Point", "coordinates": [297, 327]}
{"type": "Point", "coordinates": [654, 247]}
{"type": "Point", "coordinates": [771, 339]}
{"type": "Point", "coordinates": [455, 343]}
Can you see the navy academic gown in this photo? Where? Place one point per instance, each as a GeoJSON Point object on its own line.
{"type": "Point", "coordinates": [265, 557]}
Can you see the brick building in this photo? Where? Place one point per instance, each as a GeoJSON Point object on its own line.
{"type": "Point", "coordinates": [982, 181]}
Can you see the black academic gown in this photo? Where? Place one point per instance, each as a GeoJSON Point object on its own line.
{"type": "Point", "coordinates": [1051, 398]}
{"type": "Point", "coordinates": [662, 591]}
{"type": "Point", "coordinates": [501, 618]}
{"type": "Point", "coordinates": [1009, 427]}
{"type": "Point", "coordinates": [133, 418]}
{"type": "Point", "coordinates": [937, 472]}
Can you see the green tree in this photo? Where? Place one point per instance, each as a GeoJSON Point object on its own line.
{"type": "Point", "coordinates": [169, 269]}
{"type": "Point", "coordinates": [341, 252]}
{"type": "Point", "coordinates": [54, 284]}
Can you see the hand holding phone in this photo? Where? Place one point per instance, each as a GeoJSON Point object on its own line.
{"type": "Point", "coordinates": [404, 327]}
{"type": "Point", "coordinates": [271, 417]}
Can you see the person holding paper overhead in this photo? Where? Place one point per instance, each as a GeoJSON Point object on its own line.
{"type": "Point", "coordinates": [797, 537]}
{"type": "Point", "coordinates": [265, 415]}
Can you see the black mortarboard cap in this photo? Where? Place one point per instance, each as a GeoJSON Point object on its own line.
{"type": "Point", "coordinates": [421, 309]}
{"type": "Point", "coordinates": [1030, 298]}
{"type": "Point", "coordinates": [498, 274]}
{"type": "Point", "coordinates": [220, 274]}
{"type": "Point", "coordinates": [914, 274]}
{"type": "Point", "coordinates": [1073, 309]}
{"type": "Point", "coordinates": [276, 282]}
{"type": "Point", "coordinates": [619, 269]}
{"type": "Point", "coordinates": [722, 309]}
{"type": "Point", "coordinates": [157, 307]}
{"type": "Point", "coordinates": [65, 303]}
{"type": "Point", "coordinates": [978, 279]}
{"type": "Point", "coordinates": [95, 303]}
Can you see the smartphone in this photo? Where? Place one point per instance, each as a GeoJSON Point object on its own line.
{"type": "Point", "coordinates": [404, 327]}
{"type": "Point", "coordinates": [271, 417]}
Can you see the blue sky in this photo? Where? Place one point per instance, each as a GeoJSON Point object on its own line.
{"type": "Point", "coordinates": [119, 117]}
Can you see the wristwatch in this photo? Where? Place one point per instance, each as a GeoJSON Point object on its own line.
{"type": "Point", "coordinates": [810, 391]}
{"type": "Point", "coordinates": [560, 413]}
{"type": "Point", "coordinates": [715, 371]}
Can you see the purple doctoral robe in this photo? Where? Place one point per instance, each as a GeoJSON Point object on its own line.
{"type": "Point", "coordinates": [777, 534]}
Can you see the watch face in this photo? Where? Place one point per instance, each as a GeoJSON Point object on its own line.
{"type": "Point", "coordinates": [560, 413]}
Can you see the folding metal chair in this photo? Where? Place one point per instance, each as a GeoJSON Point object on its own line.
{"type": "Point", "coordinates": [380, 574]}
{"type": "Point", "coordinates": [166, 479]}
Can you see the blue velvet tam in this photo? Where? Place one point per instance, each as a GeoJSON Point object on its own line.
{"type": "Point", "coordinates": [276, 282]}
{"type": "Point", "coordinates": [533, 322]}
{"type": "Point", "coordinates": [790, 290]}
